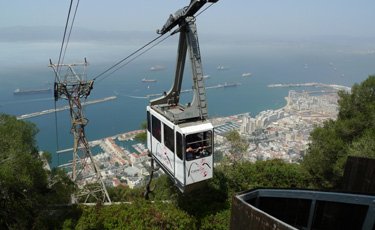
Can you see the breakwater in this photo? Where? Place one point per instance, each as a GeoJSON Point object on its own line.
{"type": "Point", "coordinates": [29, 115]}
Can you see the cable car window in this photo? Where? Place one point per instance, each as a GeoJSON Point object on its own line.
{"type": "Point", "coordinates": [156, 128]}
{"type": "Point", "coordinates": [148, 121]}
{"type": "Point", "coordinates": [198, 145]}
{"type": "Point", "coordinates": [179, 145]}
{"type": "Point", "coordinates": [168, 137]}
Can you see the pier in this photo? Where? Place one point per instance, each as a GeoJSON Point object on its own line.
{"type": "Point", "coordinates": [311, 84]}
{"type": "Point", "coordinates": [29, 115]}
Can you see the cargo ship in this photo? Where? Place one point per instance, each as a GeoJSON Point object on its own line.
{"type": "Point", "coordinates": [246, 75]}
{"type": "Point", "coordinates": [148, 80]}
{"type": "Point", "coordinates": [31, 91]}
{"type": "Point", "coordinates": [225, 85]}
{"type": "Point", "coordinates": [157, 68]}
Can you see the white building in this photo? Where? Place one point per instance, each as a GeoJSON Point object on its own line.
{"type": "Point", "coordinates": [248, 125]}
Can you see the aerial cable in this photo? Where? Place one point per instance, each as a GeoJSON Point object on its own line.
{"type": "Point", "coordinates": [129, 56]}
{"type": "Point", "coordinates": [70, 31]}
{"type": "Point", "coordinates": [204, 10]}
{"type": "Point", "coordinates": [138, 50]}
{"type": "Point", "coordinates": [57, 79]}
{"type": "Point", "coordinates": [57, 137]}
{"type": "Point", "coordinates": [143, 52]}
{"type": "Point", "coordinates": [56, 129]}
{"type": "Point", "coordinates": [61, 60]}
{"type": "Point", "coordinates": [63, 41]}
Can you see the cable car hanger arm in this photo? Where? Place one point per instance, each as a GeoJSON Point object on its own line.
{"type": "Point", "coordinates": [188, 42]}
{"type": "Point", "coordinates": [179, 15]}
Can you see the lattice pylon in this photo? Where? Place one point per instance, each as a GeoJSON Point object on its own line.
{"type": "Point", "coordinates": [85, 172]}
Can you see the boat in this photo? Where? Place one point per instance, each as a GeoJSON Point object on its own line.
{"type": "Point", "coordinates": [226, 84]}
{"type": "Point", "coordinates": [221, 67]}
{"type": "Point", "coordinates": [148, 80]}
{"type": "Point", "coordinates": [31, 91]}
{"type": "Point", "coordinates": [231, 84]}
{"type": "Point", "coordinates": [246, 74]}
{"type": "Point", "coordinates": [206, 76]}
{"type": "Point", "coordinates": [157, 68]}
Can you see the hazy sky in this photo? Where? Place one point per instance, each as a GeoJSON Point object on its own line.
{"type": "Point", "coordinates": [252, 17]}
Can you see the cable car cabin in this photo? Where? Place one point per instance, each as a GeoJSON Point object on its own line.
{"type": "Point", "coordinates": [184, 151]}
{"type": "Point", "coordinates": [180, 138]}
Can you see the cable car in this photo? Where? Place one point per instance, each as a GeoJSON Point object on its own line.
{"type": "Point", "coordinates": [184, 151]}
{"type": "Point", "coordinates": [180, 137]}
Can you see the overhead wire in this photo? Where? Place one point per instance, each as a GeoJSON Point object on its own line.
{"type": "Point", "coordinates": [70, 31]}
{"type": "Point", "coordinates": [126, 63]}
{"type": "Point", "coordinates": [63, 41]}
{"type": "Point", "coordinates": [61, 60]}
{"type": "Point", "coordinates": [204, 10]}
{"type": "Point", "coordinates": [129, 56]}
{"type": "Point", "coordinates": [138, 50]}
{"type": "Point", "coordinates": [113, 67]}
{"type": "Point", "coordinates": [56, 130]}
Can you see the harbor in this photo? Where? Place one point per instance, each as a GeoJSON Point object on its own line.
{"type": "Point", "coordinates": [272, 134]}
{"type": "Point", "coordinates": [122, 160]}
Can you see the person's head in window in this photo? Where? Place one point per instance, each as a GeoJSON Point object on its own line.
{"type": "Point", "coordinates": [189, 152]}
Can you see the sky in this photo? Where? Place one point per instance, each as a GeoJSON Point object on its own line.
{"type": "Point", "coordinates": [31, 31]}
{"type": "Point", "coordinates": [228, 17]}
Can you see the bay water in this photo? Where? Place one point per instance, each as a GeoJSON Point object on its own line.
{"type": "Point", "coordinates": [267, 65]}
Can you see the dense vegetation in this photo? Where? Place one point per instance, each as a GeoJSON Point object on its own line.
{"type": "Point", "coordinates": [26, 189]}
{"type": "Point", "coordinates": [207, 208]}
{"type": "Point", "coordinates": [30, 196]}
{"type": "Point", "coordinates": [353, 133]}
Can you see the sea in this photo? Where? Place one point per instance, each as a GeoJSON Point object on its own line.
{"type": "Point", "coordinates": [26, 67]}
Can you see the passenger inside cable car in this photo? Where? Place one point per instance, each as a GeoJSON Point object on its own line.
{"type": "Point", "coordinates": [190, 152]}
{"type": "Point", "coordinates": [198, 145]}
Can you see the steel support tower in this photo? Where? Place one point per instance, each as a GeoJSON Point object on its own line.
{"type": "Point", "coordinates": [73, 86]}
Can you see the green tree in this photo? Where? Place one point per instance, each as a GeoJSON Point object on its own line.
{"type": "Point", "coordinates": [22, 178]}
{"type": "Point", "coordinates": [25, 187]}
{"type": "Point", "coordinates": [47, 157]}
{"type": "Point", "coordinates": [364, 146]}
{"type": "Point", "coordinates": [124, 194]}
{"type": "Point", "coordinates": [351, 134]}
{"type": "Point", "coordinates": [216, 221]}
{"type": "Point", "coordinates": [322, 158]}
{"type": "Point", "coordinates": [137, 215]}
{"type": "Point", "coordinates": [142, 137]}
{"type": "Point", "coordinates": [238, 145]}
{"type": "Point", "coordinates": [279, 174]}
{"type": "Point", "coordinates": [270, 173]}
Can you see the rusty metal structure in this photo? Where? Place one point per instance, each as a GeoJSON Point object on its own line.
{"type": "Point", "coordinates": [73, 86]}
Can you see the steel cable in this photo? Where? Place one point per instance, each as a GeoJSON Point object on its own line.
{"type": "Point", "coordinates": [63, 41]}
{"type": "Point", "coordinates": [138, 50]}
{"type": "Point", "coordinates": [70, 31]}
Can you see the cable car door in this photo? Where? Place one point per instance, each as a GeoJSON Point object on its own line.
{"type": "Point", "coordinates": [179, 159]}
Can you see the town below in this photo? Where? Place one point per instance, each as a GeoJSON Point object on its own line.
{"type": "Point", "coordinates": [272, 134]}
